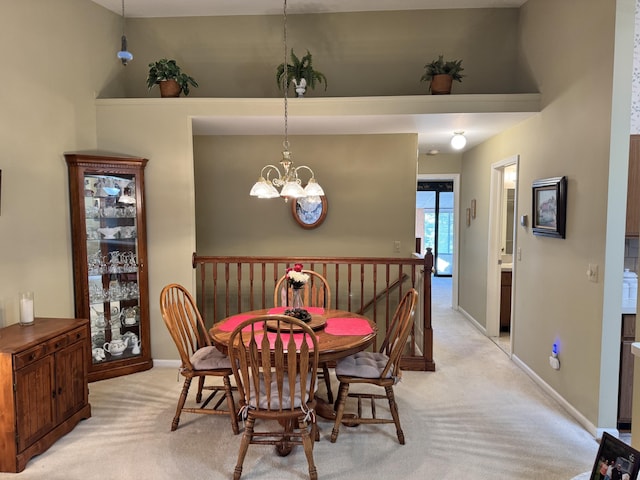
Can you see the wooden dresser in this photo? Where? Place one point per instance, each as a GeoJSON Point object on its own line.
{"type": "Point", "coordinates": [43, 386]}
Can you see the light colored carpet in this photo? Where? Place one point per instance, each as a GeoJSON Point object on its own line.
{"type": "Point", "coordinates": [477, 417]}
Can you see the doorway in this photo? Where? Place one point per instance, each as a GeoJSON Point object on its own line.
{"type": "Point", "coordinates": [502, 252]}
{"type": "Point", "coordinates": [437, 225]}
{"type": "Point", "coordinates": [434, 210]}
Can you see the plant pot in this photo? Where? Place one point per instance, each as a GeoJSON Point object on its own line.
{"type": "Point", "coordinates": [169, 88]}
{"type": "Point", "coordinates": [441, 84]}
{"type": "Point", "coordinates": [301, 86]}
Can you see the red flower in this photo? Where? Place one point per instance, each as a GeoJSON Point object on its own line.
{"type": "Point", "coordinates": [297, 267]}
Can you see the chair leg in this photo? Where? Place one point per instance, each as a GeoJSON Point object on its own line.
{"type": "Point", "coordinates": [307, 443]}
{"type": "Point", "coordinates": [343, 391]}
{"type": "Point", "coordinates": [181, 401]}
{"type": "Point", "coordinates": [231, 405]}
{"type": "Point", "coordinates": [327, 382]}
{"type": "Point", "coordinates": [200, 387]}
{"type": "Point", "coordinates": [393, 407]}
{"type": "Point", "coordinates": [244, 445]}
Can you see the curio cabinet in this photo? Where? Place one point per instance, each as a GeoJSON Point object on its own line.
{"type": "Point", "coordinates": [110, 260]}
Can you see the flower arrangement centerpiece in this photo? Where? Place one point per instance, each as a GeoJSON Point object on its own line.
{"type": "Point", "coordinates": [296, 279]}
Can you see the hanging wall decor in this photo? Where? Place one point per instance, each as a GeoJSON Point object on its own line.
{"type": "Point", "coordinates": [549, 207]}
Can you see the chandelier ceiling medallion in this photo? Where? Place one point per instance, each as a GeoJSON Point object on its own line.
{"type": "Point", "coordinates": [124, 55]}
{"type": "Point", "coordinates": [287, 180]}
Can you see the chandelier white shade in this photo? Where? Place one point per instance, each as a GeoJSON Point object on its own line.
{"type": "Point", "coordinates": [458, 141]}
{"type": "Point", "coordinates": [289, 181]}
{"type": "Point", "coordinates": [271, 178]}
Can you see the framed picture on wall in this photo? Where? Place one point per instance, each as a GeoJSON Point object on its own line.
{"type": "Point", "coordinates": [309, 212]}
{"type": "Point", "coordinates": [549, 207]}
{"type": "Point", "coordinates": [616, 454]}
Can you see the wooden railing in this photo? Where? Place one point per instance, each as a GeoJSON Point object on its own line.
{"type": "Point", "coordinates": [370, 286]}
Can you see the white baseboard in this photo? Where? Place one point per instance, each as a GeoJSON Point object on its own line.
{"type": "Point", "coordinates": [473, 321]}
{"type": "Point", "coordinates": [571, 410]}
{"type": "Point", "coordinates": [581, 419]}
{"type": "Point", "coordinates": [166, 363]}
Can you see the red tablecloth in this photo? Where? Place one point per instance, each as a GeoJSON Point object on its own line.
{"type": "Point", "coordinates": [347, 326]}
{"type": "Point", "coordinates": [230, 324]}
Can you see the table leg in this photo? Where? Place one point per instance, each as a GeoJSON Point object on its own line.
{"type": "Point", "coordinates": [284, 447]}
{"type": "Point", "coordinates": [326, 411]}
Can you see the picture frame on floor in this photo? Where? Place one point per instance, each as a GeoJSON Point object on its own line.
{"type": "Point", "coordinates": [549, 207]}
{"type": "Point", "coordinates": [622, 459]}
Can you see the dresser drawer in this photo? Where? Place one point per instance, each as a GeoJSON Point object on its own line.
{"type": "Point", "coordinates": [34, 354]}
{"type": "Point", "coordinates": [27, 357]}
{"type": "Point", "coordinates": [76, 335]}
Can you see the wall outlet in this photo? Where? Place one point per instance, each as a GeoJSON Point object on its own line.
{"type": "Point", "coordinates": [554, 362]}
{"type": "Point", "coordinates": [396, 246]}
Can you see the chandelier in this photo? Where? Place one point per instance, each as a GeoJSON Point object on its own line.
{"type": "Point", "coordinates": [271, 178]}
{"type": "Point", "coordinates": [124, 55]}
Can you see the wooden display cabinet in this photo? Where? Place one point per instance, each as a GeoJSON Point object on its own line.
{"type": "Point", "coordinates": [625, 388]}
{"type": "Point", "coordinates": [43, 387]}
{"type": "Point", "coordinates": [110, 260]}
{"type": "Point", "coordinates": [633, 188]}
{"type": "Point", "coordinates": [505, 301]}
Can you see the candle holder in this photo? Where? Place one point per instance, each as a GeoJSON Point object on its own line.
{"type": "Point", "coordinates": [26, 308]}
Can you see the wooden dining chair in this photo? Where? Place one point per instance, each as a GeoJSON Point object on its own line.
{"type": "Point", "coordinates": [274, 360]}
{"type": "Point", "coordinates": [380, 368]}
{"type": "Point", "coordinates": [316, 293]}
{"type": "Point", "coordinates": [199, 358]}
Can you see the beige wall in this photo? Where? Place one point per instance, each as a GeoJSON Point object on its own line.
{"type": "Point", "coordinates": [57, 55]}
{"type": "Point", "coordinates": [370, 53]}
{"type": "Point", "coordinates": [369, 181]}
{"type": "Point", "coordinates": [555, 302]}
{"type": "Point", "coordinates": [440, 163]}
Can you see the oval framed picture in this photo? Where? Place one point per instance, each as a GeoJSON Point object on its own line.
{"type": "Point", "coordinates": [309, 212]}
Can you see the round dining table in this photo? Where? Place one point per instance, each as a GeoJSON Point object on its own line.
{"type": "Point", "coordinates": [340, 333]}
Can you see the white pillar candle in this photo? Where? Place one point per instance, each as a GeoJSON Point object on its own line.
{"type": "Point", "coordinates": [26, 308]}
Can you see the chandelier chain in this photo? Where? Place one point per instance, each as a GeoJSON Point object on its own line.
{"type": "Point", "coordinates": [286, 81]}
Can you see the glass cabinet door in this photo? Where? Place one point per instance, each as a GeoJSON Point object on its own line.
{"type": "Point", "coordinates": [109, 256]}
{"type": "Point", "coordinates": [112, 257]}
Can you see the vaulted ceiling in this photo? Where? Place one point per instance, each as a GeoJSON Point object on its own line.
{"type": "Point", "coordinates": [434, 130]}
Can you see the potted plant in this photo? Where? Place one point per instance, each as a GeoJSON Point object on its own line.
{"type": "Point", "coordinates": [301, 72]}
{"type": "Point", "coordinates": [169, 77]}
{"type": "Point", "coordinates": [441, 73]}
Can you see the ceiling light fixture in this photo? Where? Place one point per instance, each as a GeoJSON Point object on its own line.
{"type": "Point", "coordinates": [124, 55]}
{"type": "Point", "coordinates": [289, 182]}
{"type": "Point", "coordinates": [458, 141]}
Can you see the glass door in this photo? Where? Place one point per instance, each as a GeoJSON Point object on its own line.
{"type": "Point", "coordinates": [435, 222]}
{"type": "Point", "coordinates": [112, 254]}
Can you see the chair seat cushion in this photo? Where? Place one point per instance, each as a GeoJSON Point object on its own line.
{"type": "Point", "coordinates": [363, 365]}
{"type": "Point", "coordinates": [286, 391]}
{"type": "Point", "coordinates": [209, 358]}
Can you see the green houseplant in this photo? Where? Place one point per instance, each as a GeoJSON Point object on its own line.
{"type": "Point", "coordinates": [441, 73]}
{"type": "Point", "coordinates": [169, 77]}
{"type": "Point", "coordinates": [301, 73]}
